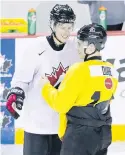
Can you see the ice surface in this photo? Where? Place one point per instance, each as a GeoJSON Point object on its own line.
{"type": "Point", "coordinates": [117, 148]}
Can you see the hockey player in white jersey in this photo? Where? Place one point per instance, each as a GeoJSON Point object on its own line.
{"type": "Point", "coordinates": [49, 56]}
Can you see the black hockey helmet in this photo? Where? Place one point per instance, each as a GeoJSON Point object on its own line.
{"type": "Point", "coordinates": [63, 14]}
{"type": "Point", "coordinates": [93, 33]}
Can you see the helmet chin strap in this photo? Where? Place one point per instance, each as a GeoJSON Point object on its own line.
{"type": "Point", "coordinates": [57, 38]}
{"type": "Point", "coordinates": [55, 35]}
{"type": "Point", "coordinates": [86, 55]}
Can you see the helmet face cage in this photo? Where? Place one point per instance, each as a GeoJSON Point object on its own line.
{"type": "Point", "coordinates": [62, 14]}
{"type": "Point", "coordinates": [94, 34]}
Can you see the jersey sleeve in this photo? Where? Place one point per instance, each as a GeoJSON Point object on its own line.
{"type": "Point", "coordinates": [27, 67]}
{"type": "Point", "coordinates": [63, 98]}
{"type": "Point", "coordinates": [62, 125]}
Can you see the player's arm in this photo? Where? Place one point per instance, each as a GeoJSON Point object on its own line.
{"type": "Point", "coordinates": [26, 68]}
{"type": "Point", "coordinates": [62, 125]}
{"type": "Point", "coordinates": [63, 98]}
{"type": "Point", "coordinates": [22, 77]}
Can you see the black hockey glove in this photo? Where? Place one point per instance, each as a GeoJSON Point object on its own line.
{"type": "Point", "coordinates": [15, 99]}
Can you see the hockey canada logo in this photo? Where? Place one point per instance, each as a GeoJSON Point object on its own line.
{"type": "Point", "coordinates": [5, 120]}
{"type": "Point", "coordinates": [57, 75]}
{"type": "Point", "coordinates": [5, 65]}
{"type": "Point", "coordinates": [3, 92]}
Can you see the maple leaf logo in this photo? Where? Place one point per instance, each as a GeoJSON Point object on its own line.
{"type": "Point", "coordinates": [5, 64]}
{"type": "Point", "coordinates": [3, 91]}
{"type": "Point", "coordinates": [57, 75]}
{"type": "Point", "coordinates": [5, 120]}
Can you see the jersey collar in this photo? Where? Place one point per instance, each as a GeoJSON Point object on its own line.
{"type": "Point", "coordinates": [53, 45]}
{"type": "Point", "coordinates": [94, 58]}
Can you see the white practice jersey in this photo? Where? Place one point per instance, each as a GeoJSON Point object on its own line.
{"type": "Point", "coordinates": [41, 60]}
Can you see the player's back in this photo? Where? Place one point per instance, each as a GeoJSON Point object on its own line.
{"type": "Point", "coordinates": [99, 81]}
{"type": "Point", "coordinates": [96, 84]}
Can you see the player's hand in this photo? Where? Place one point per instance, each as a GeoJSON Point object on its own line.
{"type": "Point", "coordinates": [15, 99]}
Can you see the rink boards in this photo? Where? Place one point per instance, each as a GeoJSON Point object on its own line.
{"type": "Point", "coordinates": [11, 51]}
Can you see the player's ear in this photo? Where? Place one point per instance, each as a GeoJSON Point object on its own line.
{"type": "Point", "coordinates": [91, 48]}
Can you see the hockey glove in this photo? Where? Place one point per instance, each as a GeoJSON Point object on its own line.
{"type": "Point", "coordinates": [15, 99]}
